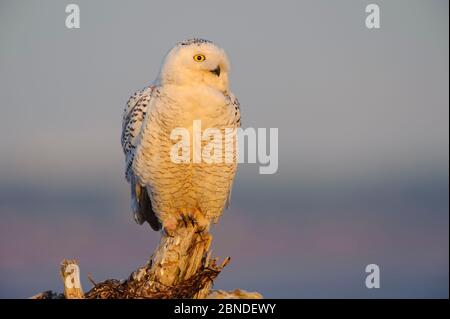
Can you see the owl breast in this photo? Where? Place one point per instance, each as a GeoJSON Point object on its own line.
{"type": "Point", "coordinates": [175, 187]}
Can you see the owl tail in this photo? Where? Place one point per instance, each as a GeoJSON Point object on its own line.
{"type": "Point", "coordinates": [142, 207]}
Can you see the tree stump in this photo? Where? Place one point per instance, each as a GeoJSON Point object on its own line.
{"type": "Point", "coordinates": [70, 274]}
{"type": "Point", "coordinates": [181, 267]}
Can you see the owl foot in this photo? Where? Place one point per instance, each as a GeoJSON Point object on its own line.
{"type": "Point", "coordinates": [194, 217]}
{"type": "Point", "coordinates": [200, 219]}
{"type": "Point", "coordinates": [170, 224]}
{"type": "Point", "coordinates": [185, 218]}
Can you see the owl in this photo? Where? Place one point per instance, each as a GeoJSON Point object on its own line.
{"type": "Point", "coordinates": [192, 85]}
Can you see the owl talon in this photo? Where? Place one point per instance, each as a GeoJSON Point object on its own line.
{"type": "Point", "coordinates": [201, 230]}
{"type": "Point", "coordinates": [200, 220]}
{"type": "Point", "coordinates": [170, 225]}
{"type": "Point", "coordinates": [169, 234]}
{"type": "Point", "coordinates": [184, 218]}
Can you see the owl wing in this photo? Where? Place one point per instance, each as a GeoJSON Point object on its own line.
{"type": "Point", "coordinates": [234, 103]}
{"type": "Point", "coordinates": [133, 117]}
{"type": "Point", "coordinates": [237, 109]}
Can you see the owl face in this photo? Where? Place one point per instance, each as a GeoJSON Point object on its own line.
{"type": "Point", "coordinates": [196, 62]}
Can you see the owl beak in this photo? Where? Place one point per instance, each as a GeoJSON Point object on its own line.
{"type": "Point", "coordinates": [216, 71]}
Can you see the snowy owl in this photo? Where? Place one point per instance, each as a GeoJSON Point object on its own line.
{"type": "Point", "coordinates": [192, 85]}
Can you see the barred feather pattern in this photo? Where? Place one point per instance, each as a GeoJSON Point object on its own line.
{"type": "Point", "coordinates": [133, 116]}
{"type": "Point", "coordinates": [175, 187]}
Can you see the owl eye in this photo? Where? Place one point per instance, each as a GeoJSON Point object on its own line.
{"type": "Point", "coordinates": [199, 58]}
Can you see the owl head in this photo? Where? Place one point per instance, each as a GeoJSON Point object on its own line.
{"type": "Point", "coordinates": [194, 62]}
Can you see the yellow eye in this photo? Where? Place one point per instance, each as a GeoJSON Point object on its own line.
{"type": "Point", "coordinates": [199, 58]}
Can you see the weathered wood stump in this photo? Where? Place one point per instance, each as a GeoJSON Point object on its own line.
{"type": "Point", "coordinates": [180, 267]}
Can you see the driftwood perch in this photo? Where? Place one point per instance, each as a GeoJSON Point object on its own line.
{"type": "Point", "coordinates": [70, 274]}
{"type": "Point", "coordinates": [180, 267]}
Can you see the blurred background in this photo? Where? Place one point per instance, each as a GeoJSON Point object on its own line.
{"type": "Point", "coordinates": [363, 118]}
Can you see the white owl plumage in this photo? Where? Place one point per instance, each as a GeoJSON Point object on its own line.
{"type": "Point", "coordinates": [192, 85]}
